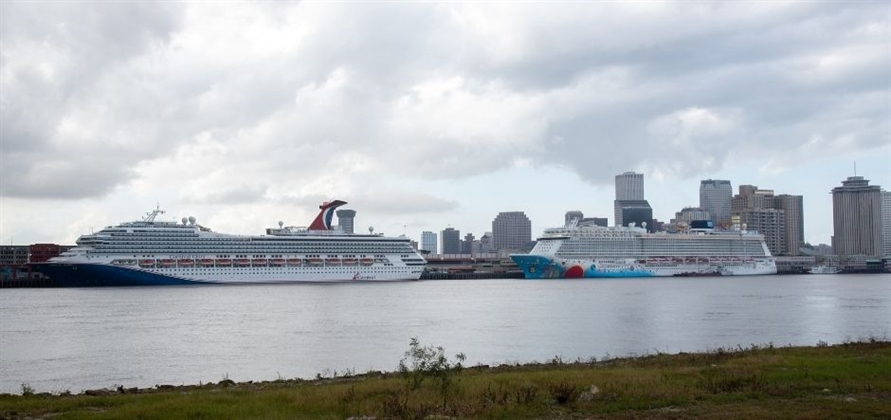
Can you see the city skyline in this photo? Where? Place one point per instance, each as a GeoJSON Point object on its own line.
{"type": "Point", "coordinates": [162, 104]}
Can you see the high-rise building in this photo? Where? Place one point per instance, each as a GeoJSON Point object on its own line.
{"type": "Point", "coordinates": [857, 218]}
{"type": "Point", "coordinates": [573, 215]}
{"type": "Point", "coordinates": [634, 211]}
{"type": "Point", "coordinates": [451, 241]}
{"type": "Point", "coordinates": [629, 186]}
{"type": "Point", "coordinates": [714, 197]}
{"type": "Point", "coordinates": [793, 212]}
{"type": "Point", "coordinates": [467, 244]}
{"type": "Point", "coordinates": [687, 215]}
{"type": "Point", "coordinates": [511, 230]}
{"type": "Point", "coordinates": [345, 218]}
{"type": "Point", "coordinates": [756, 209]}
{"type": "Point", "coordinates": [629, 193]}
{"type": "Point", "coordinates": [428, 241]}
{"type": "Point", "coordinates": [886, 222]}
{"type": "Point", "coordinates": [486, 243]}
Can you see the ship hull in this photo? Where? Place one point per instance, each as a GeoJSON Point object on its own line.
{"type": "Point", "coordinates": [95, 275]}
{"type": "Point", "coordinates": [545, 267]}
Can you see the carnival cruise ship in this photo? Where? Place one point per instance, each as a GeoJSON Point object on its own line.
{"type": "Point", "coordinates": [595, 251]}
{"type": "Point", "coordinates": [150, 252]}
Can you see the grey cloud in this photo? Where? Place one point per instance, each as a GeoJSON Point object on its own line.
{"type": "Point", "coordinates": [242, 194]}
{"type": "Point", "coordinates": [402, 202]}
{"type": "Point", "coordinates": [599, 77]}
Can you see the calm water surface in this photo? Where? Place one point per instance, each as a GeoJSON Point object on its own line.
{"type": "Point", "coordinates": [78, 339]}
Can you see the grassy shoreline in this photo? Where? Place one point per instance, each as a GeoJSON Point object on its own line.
{"type": "Point", "coordinates": [851, 380]}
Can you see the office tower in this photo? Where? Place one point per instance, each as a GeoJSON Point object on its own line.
{"type": "Point", "coordinates": [573, 215]}
{"type": "Point", "coordinates": [486, 243]}
{"type": "Point", "coordinates": [451, 241]}
{"type": "Point", "coordinates": [683, 218]}
{"type": "Point", "coordinates": [511, 230]}
{"type": "Point", "coordinates": [428, 241]}
{"type": "Point", "coordinates": [629, 186]}
{"type": "Point", "coordinates": [635, 211]}
{"type": "Point", "coordinates": [345, 219]}
{"type": "Point", "coordinates": [714, 197]}
{"type": "Point", "coordinates": [757, 210]}
{"type": "Point", "coordinates": [467, 244]}
{"type": "Point", "coordinates": [886, 222]}
{"type": "Point", "coordinates": [793, 212]}
{"type": "Point", "coordinates": [630, 195]}
{"type": "Point", "coordinates": [857, 218]}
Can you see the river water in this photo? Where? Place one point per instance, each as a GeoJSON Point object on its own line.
{"type": "Point", "coordinates": [87, 338]}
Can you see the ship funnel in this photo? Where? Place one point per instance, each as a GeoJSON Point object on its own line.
{"type": "Point", "coordinates": [323, 220]}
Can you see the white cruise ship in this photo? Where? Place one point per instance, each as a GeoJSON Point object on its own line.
{"type": "Point", "coordinates": [595, 251]}
{"type": "Point", "coordinates": [150, 252]}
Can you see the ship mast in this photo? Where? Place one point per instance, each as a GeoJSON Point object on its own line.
{"type": "Point", "coordinates": [150, 216]}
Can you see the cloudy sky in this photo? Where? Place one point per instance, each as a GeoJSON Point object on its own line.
{"type": "Point", "coordinates": [428, 115]}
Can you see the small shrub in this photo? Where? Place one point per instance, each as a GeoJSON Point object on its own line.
{"type": "Point", "coordinates": [562, 392]}
{"type": "Point", "coordinates": [27, 391]}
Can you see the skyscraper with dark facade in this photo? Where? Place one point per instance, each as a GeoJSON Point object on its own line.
{"type": "Point", "coordinates": [714, 197]}
{"type": "Point", "coordinates": [857, 218]}
{"type": "Point", "coordinates": [511, 230]}
{"type": "Point", "coordinates": [451, 241]}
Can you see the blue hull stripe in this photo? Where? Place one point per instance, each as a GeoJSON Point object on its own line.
{"type": "Point", "coordinates": [86, 275]}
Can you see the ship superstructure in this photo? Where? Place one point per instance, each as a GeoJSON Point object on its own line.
{"type": "Point", "coordinates": [595, 251]}
{"type": "Point", "coordinates": [150, 252]}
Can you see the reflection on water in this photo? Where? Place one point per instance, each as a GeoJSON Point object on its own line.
{"type": "Point", "coordinates": [76, 339]}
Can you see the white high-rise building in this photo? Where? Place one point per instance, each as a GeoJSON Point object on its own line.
{"type": "Point", "coordinates": [886, 222]}
{"type": "Point", "coordinates": [428, 241]}
{"type": "Point", "coordinates": [857, 218]}
{"type": "Point", "coordinates": [629, 186]}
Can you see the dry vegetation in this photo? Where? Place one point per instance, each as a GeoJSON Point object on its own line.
{"type": "Point", "coordinates": [851, 380]}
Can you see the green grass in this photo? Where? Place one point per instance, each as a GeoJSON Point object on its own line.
{"type": "Point", "coordinates": [851, 380]}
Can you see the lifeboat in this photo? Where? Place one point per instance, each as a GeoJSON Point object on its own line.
{"type": "Point", "coordinates": [242, 262]}
{"type": "Point", "coordinates": [256, 262]}
{"type": "Point", "coordinates": [332, 261]}
{"type": "Point", "coordinates": [185, 262]}
{"type": "Point", "coordinates": [206, 262]}
{"type": "Point", "coordinates": [314, 261]}
{"type": "Point", "coordinates": [146, 263]}
{"type": "Point", "coordinates": [349, 261]}
{"type": "Point", "coordinates": [366, 261]}
{"type": "Point", "coordinates": [168, 263]}
{"type": "Point", "coordinates": [277, 262]}
{"type": "Point", "coordinates": [295, 262]}
{"type": "Point", "coordinates": [224, 262]}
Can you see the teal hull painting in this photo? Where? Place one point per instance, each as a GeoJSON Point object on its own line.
{"type": "Point", "coordinates": [539, 267]}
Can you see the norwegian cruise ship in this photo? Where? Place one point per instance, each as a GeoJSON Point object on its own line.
{"type": "Point", "coordinates": [596, 251]}
{"type": "Point", "coordinates": [150, 252]}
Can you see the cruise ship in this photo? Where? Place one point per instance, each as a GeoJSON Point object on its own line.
{"type": "Point", "coordinates": [595, 251]}
{"type": "Point", "coordinates": [151, 252]}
